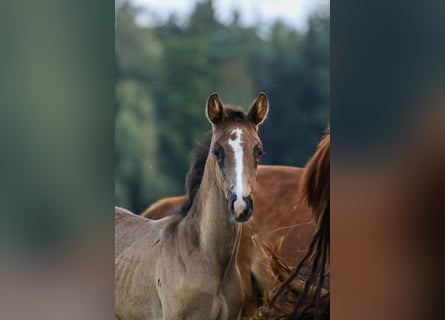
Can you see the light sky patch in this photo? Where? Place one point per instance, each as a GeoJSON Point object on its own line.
{"type": "Point", "coordinates": [294, 13]}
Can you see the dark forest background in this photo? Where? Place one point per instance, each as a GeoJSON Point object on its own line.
{"type": "Point", "coordinates": [164, 74]}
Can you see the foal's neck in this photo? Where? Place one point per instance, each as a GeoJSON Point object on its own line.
{"type": "Point", "coordinates": [218, 235]}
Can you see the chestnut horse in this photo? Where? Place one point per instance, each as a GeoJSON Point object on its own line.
{"type": "Point", "coordinates": [184, 266]}
{"type": "Point", "coordinates": [278, 214]}
{"type": "Point", "coordinates": [298, 297]}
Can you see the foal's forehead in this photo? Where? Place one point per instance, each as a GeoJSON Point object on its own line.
{"type": "Point", "coordinates": [244, 133]}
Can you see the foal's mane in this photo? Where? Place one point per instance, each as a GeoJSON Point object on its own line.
{"type": "Point", "coordinates": [198, 158]}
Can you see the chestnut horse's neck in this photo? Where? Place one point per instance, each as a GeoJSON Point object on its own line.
{"type": "Point", "coordinates": [218, 236]}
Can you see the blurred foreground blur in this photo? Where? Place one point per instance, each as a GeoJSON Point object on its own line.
{"type": "Point", "coordinates": [387, 229]}
{"type": "Point", "coordinates": [388, 160]}
{"type": "Point", "coordinates": [56, 160]}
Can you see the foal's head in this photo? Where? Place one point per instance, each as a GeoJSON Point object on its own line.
{"type": "Point", "coordinates": [236, 150]}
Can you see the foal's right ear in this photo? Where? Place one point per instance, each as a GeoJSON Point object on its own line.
{"type": "Point", "coordinates": [215, 111]}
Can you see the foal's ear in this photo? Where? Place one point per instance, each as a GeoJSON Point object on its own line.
{"type": "Point", "coordinates": [258, 111]}
{"type": "Point", "coordinates": [214, 109]}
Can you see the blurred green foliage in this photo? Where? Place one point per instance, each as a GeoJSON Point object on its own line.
{"type": "Point", "coordinates": [165, 73]}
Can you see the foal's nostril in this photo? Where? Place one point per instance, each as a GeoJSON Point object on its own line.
{"type": "Point", "coordinates": [245, 215]}
{"type": "Point", "coordinates": [248, 201]}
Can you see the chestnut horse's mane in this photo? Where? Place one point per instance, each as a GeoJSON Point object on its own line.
{"type": "Point", "coordinates": [316, 179]}
{"type": "Point", "coordinates": [289, 299]}
{"type": "Point", "coordinates": [198, 159]}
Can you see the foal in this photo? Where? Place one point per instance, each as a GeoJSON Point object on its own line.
{"type": "Point", "coordinates": [184, 266]}
{"type": "Point", "coordinates": [285, 218]}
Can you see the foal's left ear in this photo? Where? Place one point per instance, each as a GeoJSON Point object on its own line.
{"type": "Point", "coordinates": [258, 111]}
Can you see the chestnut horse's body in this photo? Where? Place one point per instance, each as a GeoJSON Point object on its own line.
{"type": "Point", "coordinates": [278, 214]}
{"type": "Point", "coordinates": [297, 297]}
{"type": "Point", "coordinates": [184, 266]}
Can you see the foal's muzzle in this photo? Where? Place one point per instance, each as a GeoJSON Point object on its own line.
{"type": "Point", "coordinates": [241, 209]}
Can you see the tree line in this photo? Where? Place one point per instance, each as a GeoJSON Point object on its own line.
{"type": "Point", "coordinates": [165, 72]}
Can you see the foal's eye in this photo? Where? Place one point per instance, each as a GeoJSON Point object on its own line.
{"type": "Point", "coordinates": [218, 153]}
{"type": "Point", "coordinates": [258, 152]}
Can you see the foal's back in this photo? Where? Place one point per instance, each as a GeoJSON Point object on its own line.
{"type": "Point", "coordinates": [133, 266]}
{"type": "Point", "coordinates": [156, 273]}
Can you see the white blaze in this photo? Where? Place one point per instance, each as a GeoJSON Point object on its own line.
{"type": "Point", "coordinates": [237, 147]}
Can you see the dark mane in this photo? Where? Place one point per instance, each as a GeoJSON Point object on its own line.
{"type": "Point", "coordinates": [198, 159]}
{"type": "Point", "coordinates": [315, 190]}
